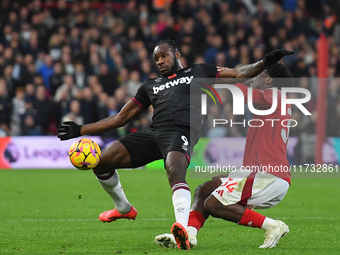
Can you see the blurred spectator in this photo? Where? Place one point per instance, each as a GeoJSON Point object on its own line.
{"type": "Point", "coordinates": [18, 71]}
{"type": "Point", "coordinates": [68, 87]}
{"type": "Point", "coordinates": [42, 30]}
{"type": "Point", "coordinates": [30, 92]}
{"type": "Point", "coordinates": [111, 106]}
{"type": "Point", "coordinates": [258, 53]}
{"type": "Point", "coordinates": [74, 39]}
{"type": "Point", "coordinates": [145, 70]}
{"type": "Point", "coordinates": [66, 60]}
{"type": "Point", "coordinates": [4, 130]}
{"type": "Point", "coordinates": [88, 105]}
{"type": "Point", "coordinates": [43, 107]}
{"type": "Point", "coordinates": [57, 78]}
{"type": "Point", "coordinates": [32, 46]}
{"type": "Point", "coordinates": [220, 59]}
{"type": "Point", "coordinates": [54, 46]}
{"type": "Point", "coordinates": [79, 75]}
{"type": "Point", "coordinates": [133, 83]}
{"type": "Point", "coordinates": [107, 79]}
{"type": "Point", "coordinates": [46, 70]}
{"type": "Point", "coordinates": [220, 130]}
{"type": "Point", "coordinates": [29, 118]}
{"type": "Point", "coordinates": [5, 103]}
{"type": "Point", "coordinates": [93, 67]}
{"type": "Point", "coordinates": [29, 73]}
{"type": "Point", "coordinates": [82, 53]}
{"type": "Point", "coordinates": [29, 126]}
{"type": "Point", "coordinates": [216, 45]}
{"type": "Point", "coordinates": [123, 76]}
{"type": "Point", "coordinates": [74, 113]}
{"type": "Point", "coordinates": [38, 80]}
{"type": "Point", "coordinates": [8, 78]}
{"type": "Point", "coordinates": [121, 97]}
{"type": "Point", "coordinates": [232, 59]}
{"type": "Point", "coordinates": [102, 106]}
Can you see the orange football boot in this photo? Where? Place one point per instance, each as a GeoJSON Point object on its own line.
{"type": "Point", "coordinates": [113, 215]}
{"type": "Point", "coordinates": [181, 236]}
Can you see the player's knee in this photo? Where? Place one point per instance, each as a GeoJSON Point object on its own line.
{"type": "Point", "coordinates": [103, 167]}
{"type": "Point", "coordinates": [212, 205]}
{"type": "Point", "coordinates": [175, 167]}
{"type": "Point", "coordinates": [113, 156]}
{"type": "Point", "coordinates": [110, 159]}
{"type": "Point", "coordinates": [201, 192]}
{"type": "Point", "coordinates": [176, 162]}
{"type": "Point", "coordinates": [206, 188]}
{"type": "Point", "coordinates": [198, 190]}
{"type": "Point", "coordinates": [176, 173]}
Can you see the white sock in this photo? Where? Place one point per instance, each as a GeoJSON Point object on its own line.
{"type": "Point", "coordinates": [192, 231]}
{"type": "Point", "coordinates": [268, 223]}
{"type": "Point", "coordinates": [181, 200]}
{"type": "Point", "coordinates": [111, 184]}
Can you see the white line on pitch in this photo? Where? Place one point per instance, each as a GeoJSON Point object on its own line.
{"type": "Point", "coordinates": [157, 219]}
{"type": "Point", "coordinates": [41, 220]}
{"type": "Point", "coordinates": [308, 218]}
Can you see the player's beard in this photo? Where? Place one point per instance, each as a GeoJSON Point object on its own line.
{"type": "Point", "coordinates": [175, 67]}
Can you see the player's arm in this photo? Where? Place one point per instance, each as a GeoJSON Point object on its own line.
{"type": "Point", "coordinates": [70, 129]}
{"type": "Point", "coordinates": [249, 71]}
{"type": "Point", "coordinates": [128, 112]}
{"type": "Point", "coordinates": [243, 73]}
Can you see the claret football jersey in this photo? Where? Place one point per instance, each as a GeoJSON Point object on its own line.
{"type": "Point", "coordinates": [171, 98]}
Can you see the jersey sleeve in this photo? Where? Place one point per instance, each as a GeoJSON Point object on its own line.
{"type": "Point", "coordinates": [263, 97]}
{"type": "Point", "coordinates": [210, 71]}
{"type": "Point", "coordinates": [141, 98]}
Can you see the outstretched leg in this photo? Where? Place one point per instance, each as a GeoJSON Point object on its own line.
{"type": "Point", "coordinates": [114, 156]}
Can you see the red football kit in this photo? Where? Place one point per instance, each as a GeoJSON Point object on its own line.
{"type": "Point", "coordinates": [267, 135]}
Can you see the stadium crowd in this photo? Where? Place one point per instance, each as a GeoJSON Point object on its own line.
{"type": "Point", "coordinates": [83, 60]}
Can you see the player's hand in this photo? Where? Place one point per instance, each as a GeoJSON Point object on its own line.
{"type": "Point", "coordinates": [68, 130]}
{"type": "Point", "coordinates": [274, 56]}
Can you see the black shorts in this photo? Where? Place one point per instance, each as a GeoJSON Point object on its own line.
{"type": "Point", "coordinates": [152, 143]}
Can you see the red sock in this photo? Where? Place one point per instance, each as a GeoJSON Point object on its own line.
{"type": "Point", "coordinates": [196, 220]}
{"type": "Point", "coordinates": [252, 219]}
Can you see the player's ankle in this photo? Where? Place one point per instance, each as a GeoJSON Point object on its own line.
{"type": "Point", "coordinates": [192, 231]}
{"type": "Point", "coordinates": [269, 223]}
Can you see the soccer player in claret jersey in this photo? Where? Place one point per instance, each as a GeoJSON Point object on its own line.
{"type": "Point", "coordinates": [168, 137]}
{"type": "Point", "coordinates": [232, 197]}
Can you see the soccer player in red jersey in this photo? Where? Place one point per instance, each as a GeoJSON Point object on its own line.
{"type": "Point", "coordinates": [232, 197]}
{"type": "Point", "coordinates": [169, 136]}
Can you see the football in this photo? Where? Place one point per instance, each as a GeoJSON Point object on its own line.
{"type": "Point", "coordinates": [84, 154]}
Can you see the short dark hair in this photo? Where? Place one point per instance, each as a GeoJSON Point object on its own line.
{"type": "Point", "coordinates": [170, 42]}
{"type": "Point", "coordinates": [281, 75]}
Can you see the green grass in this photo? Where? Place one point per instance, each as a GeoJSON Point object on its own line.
{"type": "Point", "coordinates": [56, 212]}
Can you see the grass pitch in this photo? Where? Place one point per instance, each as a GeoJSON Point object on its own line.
{"type": "Point", "coordinates": [56, 212]}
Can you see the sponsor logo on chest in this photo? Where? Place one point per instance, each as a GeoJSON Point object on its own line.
{"type": "Point", "coordinates": [169, 84]}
